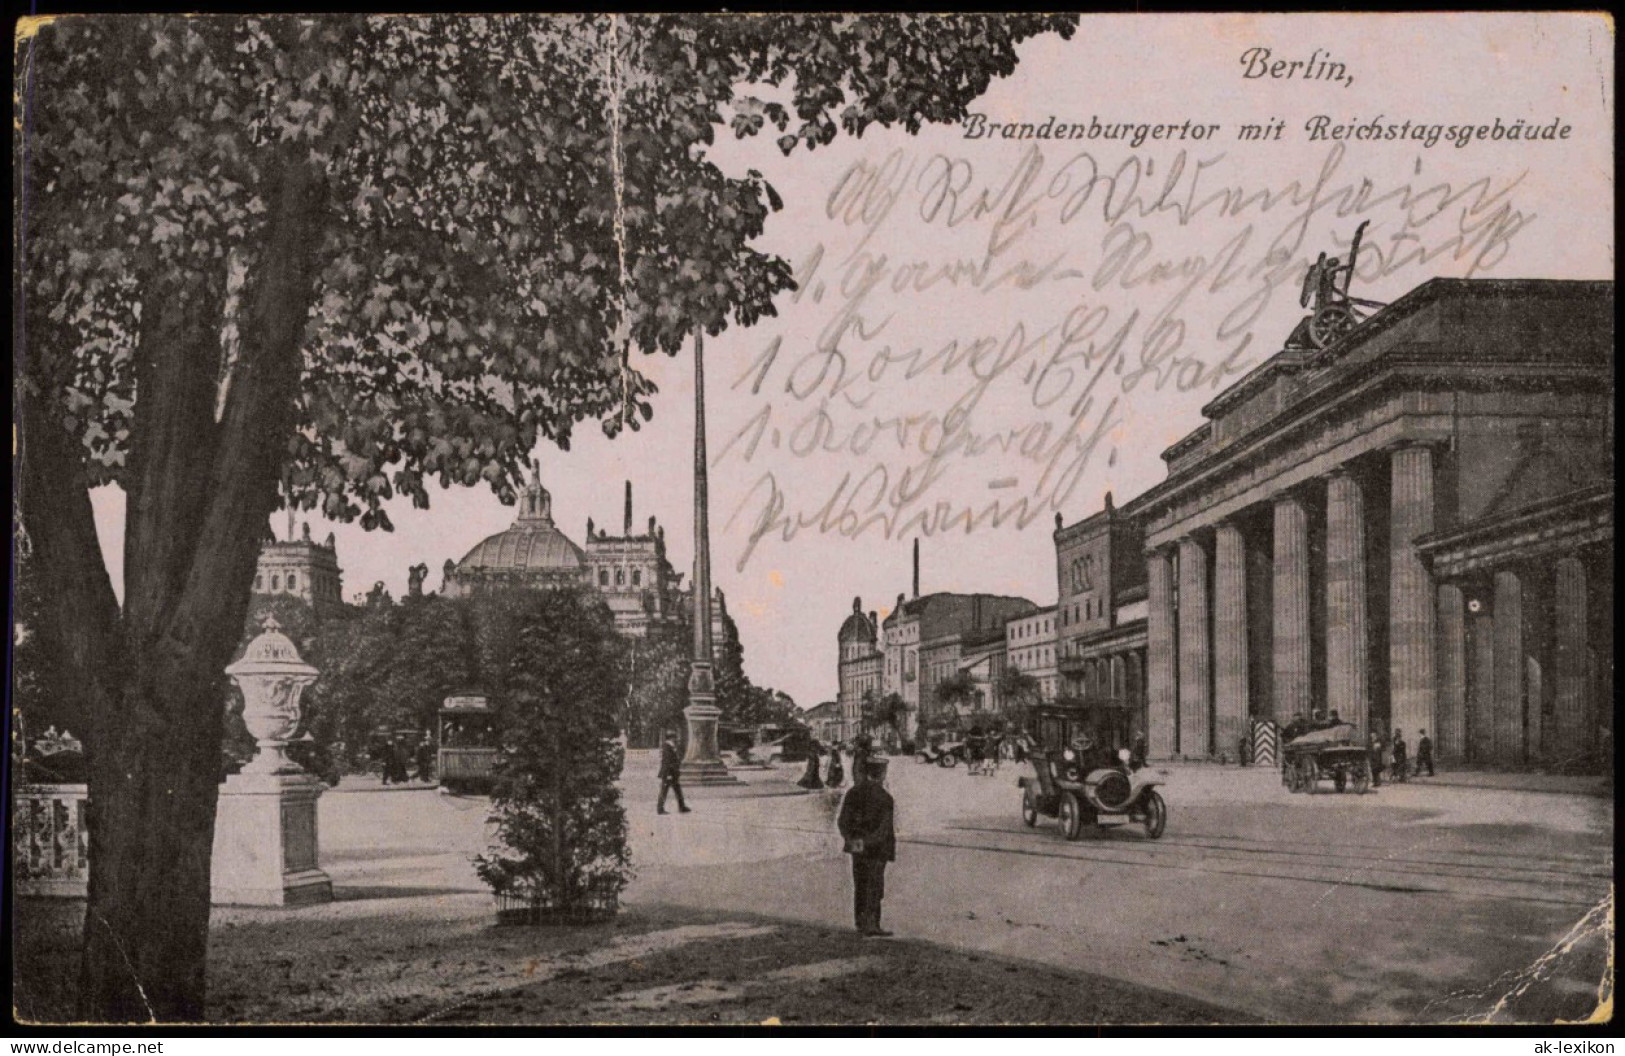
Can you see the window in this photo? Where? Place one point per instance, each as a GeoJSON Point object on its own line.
{"type": "Point", "coordinates": [276, 582]}
{"type": "Point", "coordinates": [637, 577]}
{"type": "Point", "coordinates": [603, 577]}
{"type": "Point", "coordinates": [620, 577]}
{"type": "Point", "coordinates": [291, 581]}
{"type": "Point", "coordinates": [259, 582]}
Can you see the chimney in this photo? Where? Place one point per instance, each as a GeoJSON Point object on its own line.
{"type": "Point", "coordinates": [916, 566]}
{"type": "Point", "coordinates": [628, 531]}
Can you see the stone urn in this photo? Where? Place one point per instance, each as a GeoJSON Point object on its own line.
{"type": "Point", "coordinates": [272, 678]}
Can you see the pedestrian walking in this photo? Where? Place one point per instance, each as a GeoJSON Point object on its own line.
{"type": "Point", "coordinates": [837, 776]}
{"type": "Point", "coordinates": [863, 750]}
{"type": "Point", "coordinates": [1401, 760]}
{"type": "Point", "coordinates": [1424, 753]}
{"type": "Point", "coordinates": [1379, 760]}
{"type": "Point", "coordinates": [395, 771]}
{"type": "Point", "coordinates": [423, 758]}
{"type": "Point", "coordinates": [866, 826]}
{"type": "Point", "coordinates": [671, 772]}
{"type": "Point", "coordinates": [809, 777]}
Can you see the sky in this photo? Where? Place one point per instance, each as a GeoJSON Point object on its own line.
{"type": "Point", "coordinates": [992, 331]}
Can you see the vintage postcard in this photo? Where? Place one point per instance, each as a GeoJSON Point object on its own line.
{"type": "Point", "coordinates": [813, 520]}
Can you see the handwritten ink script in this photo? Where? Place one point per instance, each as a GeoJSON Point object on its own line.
{"type": "Point", "coordinates": [972, 333]}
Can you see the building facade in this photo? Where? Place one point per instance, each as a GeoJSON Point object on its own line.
{"type": "Point", "coordinates": [1101, 633]}
{"type": "Point", "coordinates": [630, 570]}
{"type": "Point", "coordinates": [1412, 527]}
{"type": "Point", "coordinates": [861, 668]}
{"type": "Point", "coordinates": [1029, 646]}
{"type": "Point", "coordinates": [302, 569]}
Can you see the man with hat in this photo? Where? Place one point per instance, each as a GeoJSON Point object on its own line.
{"type": "Point", "coordinates": [865, 824]}
{"type": "Point", "coordinates": [671, 768]}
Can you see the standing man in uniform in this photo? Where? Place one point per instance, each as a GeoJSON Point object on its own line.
{"type": "Point", "coordinates": [1424, 753]}
{"type": "Point", "coordinates": [866, 826]}
{"type": "Point", "coordinates": [671, 768]}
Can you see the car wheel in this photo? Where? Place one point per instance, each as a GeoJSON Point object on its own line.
{"type": "Point", "coordinates": [1029, 808]}
{"type": "Point", "coordinates": [948, 761]}
{"type": "Point", "coordinates": [1071, 816]}
{"type": "Point", "coordinates": [1156, 815]}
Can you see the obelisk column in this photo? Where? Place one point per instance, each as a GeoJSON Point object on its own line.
{"type": "Point", "coordinates": [1346, 642]}
{"type": "Point", "coordinates": [1412, 653]}
{"type": "Point", "coordinates": [1229, 637]}
{"type": "Point", "coordinates": [1162, 709]}
{"type": "Point", "coordinates": [1509, 681]}
{"type": "Point", "coordinates": [1195, 653]}
{"type": "Point", "coordinates": [1571, 719]}
{"type": "Point", "coordinates": [1291, 604]}
{"type": "Point", "coordinates": [702, 764]}
{"type": "Point", "coordinates": [1451, 736]}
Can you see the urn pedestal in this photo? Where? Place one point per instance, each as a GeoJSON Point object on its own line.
{"type": "Point", "coordinates": [265, 842]}
{"type": "Point", "coordinates": [265, 832]}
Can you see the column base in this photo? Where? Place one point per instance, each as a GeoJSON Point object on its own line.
{"type": "Point", "coordinates": [707, 773]}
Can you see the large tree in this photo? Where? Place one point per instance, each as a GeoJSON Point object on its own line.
{"type": "Point", "coordinates": [327, 261]}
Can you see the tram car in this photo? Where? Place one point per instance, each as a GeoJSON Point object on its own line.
{"type": "Point", "coordinates": [467, 744]}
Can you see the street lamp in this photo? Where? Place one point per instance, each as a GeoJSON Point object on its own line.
{"type": "Point", "coordinates": [702, 764]}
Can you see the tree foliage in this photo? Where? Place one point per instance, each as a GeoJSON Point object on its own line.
{"type": "Point", "coordinates": [657, 688]}
{"type": "Point", "coordinates": [334, 260]}
{"type": "Point", "coordinates": [560, 828]}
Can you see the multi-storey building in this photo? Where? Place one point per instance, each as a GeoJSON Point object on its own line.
{"type": "Point", "coordinates": [1029, 645]}
{"type": "Point", "coordinates": [631, 570]}
{"type": "Point", "coordinates": [860, 667]}
{"type": "Point", "coordinates": [302, 569]}
{"type": "Point", "coordinates": [1100, 628]}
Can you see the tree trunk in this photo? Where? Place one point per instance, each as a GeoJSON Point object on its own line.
{"type": "Point", "coordinates": [199, 495]}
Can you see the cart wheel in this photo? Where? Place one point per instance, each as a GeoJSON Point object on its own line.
{"type": "Point", "coordinates": [1362, 778]}
{"type": "Point", "coordinates": [1071, 816]}
{"type": "Point", "coordinates": [1156, 814]}
{"type": "Point", "coordinates": [1311, 777]}
{"type": "Point", "coordinates": [1029, 808]}
{"type": "Point", "coordinates": [950, 761]}
{"type": "Point", "coordinates": [1331, 323]}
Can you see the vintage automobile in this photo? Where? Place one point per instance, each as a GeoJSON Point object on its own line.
{"type": "Point", "coordinates": [949, 754]}
{"type": "Point", "coordinates": [1079, 790]}
{"type": "Point", "coordinates": [1333, 754]}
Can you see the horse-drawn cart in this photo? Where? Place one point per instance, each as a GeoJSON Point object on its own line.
{"type": "Point", "coordinates": [1330, 754]}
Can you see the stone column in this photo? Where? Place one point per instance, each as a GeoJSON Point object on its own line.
{"type": "Point", "coordinates": [1450, 739]}
{"type": "Point", "coordinates": [1508, 699]}
{"type": "Point", "coordinates": [1347, 646]}
{"type": "Point", "coordinates": [1571, 713]}
{"type": "Point", "coordinates": [1162, 709]}
{"type": "Point", "coordinates": [1291, 642]}
{"type": "Point", "coordinates": [702, 763]}
{"type": "Point", "coordinates": [1412, 648]}
{"type": "Point", "coordinates": [1195, 653]}
{"type": "Point", "coordinates": [1229, 637]}
{"type": "Point", "coordinates": [1481, 686]}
